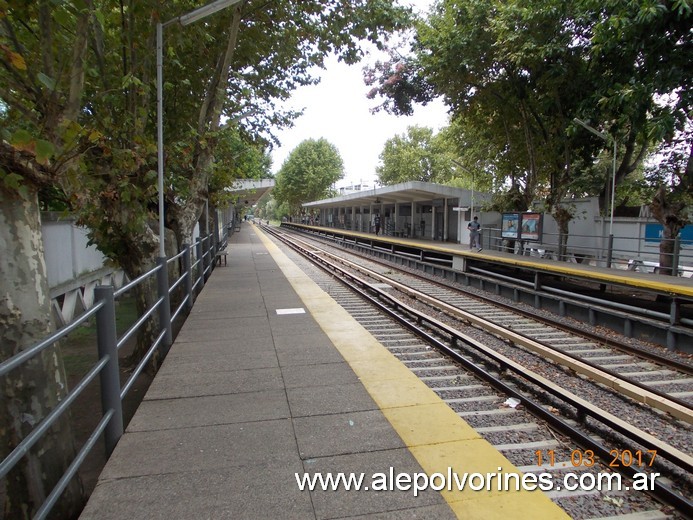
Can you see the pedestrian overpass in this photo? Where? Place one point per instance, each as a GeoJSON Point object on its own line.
{"type": "Point", "coordinates": [249, 191]}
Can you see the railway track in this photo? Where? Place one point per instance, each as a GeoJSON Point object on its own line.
{"type": "Point", "coordinates": [484, 387]}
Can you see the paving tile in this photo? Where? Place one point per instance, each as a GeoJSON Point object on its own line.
{"type": "Point", "coordinates": [305, 401]}
{"type": "Point", "coordinates": [206, 448]}
{"type": "Point", "coordinates": [439, 512]}
{"type": "Point", "coordinates": [295, 324]}
{"type": "Point", "coordinates": [201, 329]}
{"type": "Point", "coordinates": [184, 384]}
{"type": "Point", "coordinates": [308, 356]}
{"type": "Point", "coordinates": [227, 346]}
{"type": "Point", "coordinates": [317, 374]}
{"type": "Point", "coordinates": [241, 309]}
{"type": "Point", "coordinates": [343, 433]}
{"type": "Point", "coordinates": [229, 363]}
{"type": "Point", "coordinates": [208, 410]}
{"type": "Point", "coordinates": [315, 341]}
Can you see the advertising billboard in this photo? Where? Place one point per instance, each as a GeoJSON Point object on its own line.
{"type": "Point", "coordinates": [510, 226]}
{"type": "Point", "coordinates": [522, 226]}
{"type": "Point", "coordinates": [530, 228]}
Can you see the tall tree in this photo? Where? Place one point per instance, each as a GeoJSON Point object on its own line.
{"type": "Point", "coordinates": [641, 54]}
{"type": "Point", "coordinates": [41, 91]}
{"type": "Point", "coordinates": [308, 173]}
{"type": "Point", "coordinates": [509, 74]}
{"type": "Point", "coordinates": [417, 155]}
{"type": "Point", "coordinates": [525, 69]}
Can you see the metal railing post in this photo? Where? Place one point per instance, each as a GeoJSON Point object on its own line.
{"type": "Point", "coordinates": [205, 257]}
{"type": "Point", "coordinates": [107, 340]}
{"type": "Point", "coordinates": [676, 254]}
{"type": "Point", "coordinates": [187, 267]}
{"type": "Point", "coordinates": [610, 251]}
{"type": "Point", "coordinates": [201, 262]}
{"type": "Point", "coordinates": [165, 307]}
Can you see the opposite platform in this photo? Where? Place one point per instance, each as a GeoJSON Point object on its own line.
{"type": "Point", "coordinates": [254, 391]}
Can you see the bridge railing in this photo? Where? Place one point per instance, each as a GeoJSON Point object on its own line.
{"type": "Point", "coordinates": [107, 367]}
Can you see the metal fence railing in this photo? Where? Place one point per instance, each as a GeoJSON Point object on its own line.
{"type": "Point", "coordinates": [190, 282]}
{"type": "Point", "coordinates": [624, 252]}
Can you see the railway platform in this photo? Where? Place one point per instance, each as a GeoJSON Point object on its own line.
{"type": "Point", "coordinates": [676, 286]}
{"type": "Point", "coordinates": [270, 381]}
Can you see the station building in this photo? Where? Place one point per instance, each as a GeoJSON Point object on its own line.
{"type": "Point", "coordinates": [412, 209]}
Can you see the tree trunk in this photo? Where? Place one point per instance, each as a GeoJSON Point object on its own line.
{"type": "Point", "coordinates": [672, 217]}
{"type": "Point", "coordinates": [667, 250]}
{"type": "Point", "coordinates": [145, 296]}
{"type": "Point", "coordinates": [563, 217]}
{"type": "Point", "coordinates": [32, 390]}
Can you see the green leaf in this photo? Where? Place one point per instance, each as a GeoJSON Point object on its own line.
{"type": "Point", "coordinates": [61, 17]}
{"type": "Point", "coordinates": [22, 139]}
{"type": "Point", "coordinates": [47, 81]}
{"type": "Point", "coordinates": [13, 181]}
{"type": "Point", "coordinates": [44, 151]}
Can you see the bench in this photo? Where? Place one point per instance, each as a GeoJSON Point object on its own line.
{"type": "Point", "coordinates": [219, 256]}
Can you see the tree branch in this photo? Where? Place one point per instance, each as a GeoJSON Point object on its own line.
{"type": "Point", "coordinates": [79, 51]}
{"type": "Point", "coordinates": [210, 114]}
{"type": "Point", "coordinates": [24, 164]}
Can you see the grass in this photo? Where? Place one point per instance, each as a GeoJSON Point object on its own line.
{"type": "Point", "coordinates": [79, 349]}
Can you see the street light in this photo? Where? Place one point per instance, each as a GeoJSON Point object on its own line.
{"type": "Point", "coordinates": [606, 138]}
{"type": "Point", "coordinates": [473, 182]}
{"type": "Point", "coordinates": [185, 19]}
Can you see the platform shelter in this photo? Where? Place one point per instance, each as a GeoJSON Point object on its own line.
{"type": "Point", "coordinates": [411, 209]}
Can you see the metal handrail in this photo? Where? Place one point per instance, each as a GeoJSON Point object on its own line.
{"type": "Point", "coordinates": [110, 424]}
{"type": "Point", "coordinates": [135, 326]}
{"type": "Point", "coordinates": [180, 308]}
{"type": "Point", "coordinates": [494, 235]}
{"type": "Point", "coordinates": [175, 284]}
{"type": "Point", "coordinates": [135, 282]}
{"type": "Point", "coordinates": [27, 442]}
{"type": "Point", "coordinates": [177, 257]}
{"type": "Point", "coordinates": [73, 467]}
{"type": "Point", "coordinates": [141, 365]}
{"type": "Point", "coordinates": [27, 354]}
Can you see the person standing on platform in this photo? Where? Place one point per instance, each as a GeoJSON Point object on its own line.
{"type": "Point", "coordinates": [474, 234]}
{"type": "Point", "coordinates": [376, 224]}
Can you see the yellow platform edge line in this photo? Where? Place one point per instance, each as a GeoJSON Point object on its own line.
{"type": "Point", "coordinates": [435, 435]}
{"type": "Point", "coordinates": [655, 285]}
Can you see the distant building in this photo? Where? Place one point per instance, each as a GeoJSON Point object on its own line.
{"type": "Point", "coordinates": [353, 188]}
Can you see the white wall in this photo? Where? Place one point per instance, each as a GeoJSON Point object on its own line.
{"type": "Point", "coordinates": [68, 255]}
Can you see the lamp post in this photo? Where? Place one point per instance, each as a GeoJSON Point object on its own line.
{"type": "Point", "coordinates": [473, 183]}
{"type": "Point", "coordinates": [606, 138]}
{"type": "Point", "coordinates": [185, 19]}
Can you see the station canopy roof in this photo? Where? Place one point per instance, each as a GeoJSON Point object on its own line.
{"type": "Point", "coordinates": [249, 191]}
{"type": "Point", "coordinates": [406, 192]}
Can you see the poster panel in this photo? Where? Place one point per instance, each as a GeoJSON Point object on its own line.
{"type": "Point", "coordinates": [531, 227]}
{"type": "Point", "coordinates": [654, 232]}
{"type": "Point", "coordinates": [510, 227]}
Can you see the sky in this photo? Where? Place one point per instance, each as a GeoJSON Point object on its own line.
{"type": "Point", "coordinates": [337, 109]}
